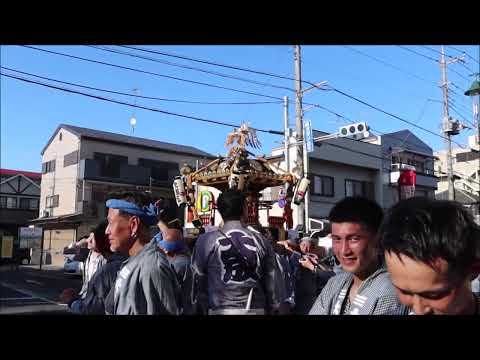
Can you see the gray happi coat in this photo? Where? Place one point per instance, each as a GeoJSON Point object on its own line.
{"type": "Point", "coordinates": [146, 285]}
{"type": "Point", "coordinates": [375, 296]}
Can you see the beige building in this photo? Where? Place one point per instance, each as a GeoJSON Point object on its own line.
{"type": "Point", "coordinates": [80, 166]}
{"type": "Point", "coordinates": [466, 173]}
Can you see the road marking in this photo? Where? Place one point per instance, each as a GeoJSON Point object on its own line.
{"type": "Point", "coordinates": [34, 282]}
{"type": "Point", "coordinates": [26, 292]}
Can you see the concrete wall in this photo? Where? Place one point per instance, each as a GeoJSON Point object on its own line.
{"type": "Point", "coordinates": [63, 181]}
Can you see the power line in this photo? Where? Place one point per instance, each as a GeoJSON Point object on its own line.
{"type": "Point", "coordinates": [415, 52]}
{"type": "Point", "coordinates": [151, 73]}
{"type": "Point", "coordinates": [138, 106]}
{"type": "Point", "coordinates": [452, 106]}
{"type": "Point", "coordinates": [174, 114]}
{"type": "Point", "coordinates": [95, 61]}
{"type": "Point", "coordinates": [389, 114]}
{"type": "Point", "coordinates": [189, 67]}
{"type": "Point", "coordinates": [347, 120]}
{"type": "Point", "coordinates": [257, 94]}
{"type": "Point", "coordinates": [140, 96]}
{"type": "Point", "coordinates": [212, 63]}
{"type": "Point", "coordinates": [390, 65]}
{"type": "Point", "coordinates": [464, 52]}
{"type": "Point", "coordinates": [450, 56]}
{"type": "Point", "coordinates": [459, 97]}
{"type": "Point", "coordinates": [436, 51]}
{"type": "Point", "coordinates": [456, 72]}
{"type": "Point", "coordinates": [457, 100]}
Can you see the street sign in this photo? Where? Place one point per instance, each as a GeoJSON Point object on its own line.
{"type": "Point", "coordinates": [308, 135]}
{"type": "Point", "coordinates": [30, 238]}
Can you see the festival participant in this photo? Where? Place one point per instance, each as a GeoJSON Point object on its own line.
{"type": "Point", "coordinates": [432, 251]}
{"type": "Point", "coordinates": [146, 284]}
{"type": "Point", "coordinates": [235, 266]}
{"type": "Point", "coordinates": [365, 287]}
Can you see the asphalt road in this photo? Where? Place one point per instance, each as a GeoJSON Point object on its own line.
{"type": "Point", "coordinates": [31, 291]}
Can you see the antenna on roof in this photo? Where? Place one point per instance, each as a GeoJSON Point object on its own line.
{"type": "Point", "coordinates": [133, 120]}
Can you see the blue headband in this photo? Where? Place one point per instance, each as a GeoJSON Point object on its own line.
{"type": "Point", "coordinates": [148, 214]}
{"type": "Point", "coordinates": [171, 247]}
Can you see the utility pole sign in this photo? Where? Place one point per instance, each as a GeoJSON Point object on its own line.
{"type": "Point", "coordinates": [308, 135]}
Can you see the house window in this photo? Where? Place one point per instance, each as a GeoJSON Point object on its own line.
{"type": "Point", "coordinates": [110, 164]}
{"type": "Point", "coordinates": [323, 185]}
{"type": "Point", "coordinates": [360, 188]}
{"type": "Point", "coordinates": [48, 166]}
{"type": "Point", "coordinates": [33, 204]}
{"type": "Point", "coordinates": [11, 202]}
{"type": "Point", "coordinates": [161, 171]}
{"type": "Point", "coordinates": [70, 159]}
{"type": "Point", "coordinates": [52, 201]}
{"type": "Point", "coordinates": [60, 137]}
{"type": "Point", "coordinates": [24, 203]}
{"type": "Point", "coordinates": [28, 203]}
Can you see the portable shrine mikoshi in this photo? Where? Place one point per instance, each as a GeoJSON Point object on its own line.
{"type": "Point", "coordinates": [240, 170]}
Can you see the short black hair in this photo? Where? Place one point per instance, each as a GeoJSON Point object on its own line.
{"type": "Point", "coordinates": [358, 210]}
{"type": "Point", "coordinates": [101, 239]}
{"type": "Point", "coordinates": [426, 229]}
{"type": "Point", "coordinates": [230, 204]}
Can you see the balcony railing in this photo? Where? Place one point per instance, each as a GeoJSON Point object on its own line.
{"type": "Point", "coordinates": [87, 208]}
{"type": "Point", "coordinates": [128, 174]}
{"type": "Point", "coordinates": [425, 178]}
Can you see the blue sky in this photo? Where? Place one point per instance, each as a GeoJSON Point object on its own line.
{"type": "Point", "coordinates": [30, 113]}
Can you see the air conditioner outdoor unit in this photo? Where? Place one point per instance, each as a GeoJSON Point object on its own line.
{"type": "Point", "coordinates": [473, 142]}
{"type": "Point", "coordinates": [46, 213]}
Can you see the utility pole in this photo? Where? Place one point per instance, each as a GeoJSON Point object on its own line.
{"type": "Point", "coordinates": [446, 126]}
{"type": "Point", "coordinates": [449, 126]}
{"type": "Point", "coordinates": [287, 133]}
{"type": "Point", "coordinates": [299, 128]}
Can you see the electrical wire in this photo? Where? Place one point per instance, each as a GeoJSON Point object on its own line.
{"type": "Point", "coordinates": [336, 90]}
{"type": "Point", "coordinates": [138, 106]}
{"type": "Point", "coordinates": [151, 73]}
{"type": "Point", "coordinates": [139, 96]}
{"type": "Point", "coordinates": [390, 65]}
{"type": "Point", "coordinates": [464, 52]}
{"type": "Point", "coordinates": [452, 106]}
{"type": "Point", "coordinates": [190, 68]}
{"type": "Point", "coordinates": [213, 63]}
{"type": "Point", "coordinates": [415, 52]}
{"type": "Point", "coordinates": [390, 114]}
{"type": "Point", "coordinates": [450, 56]}
{"type": "Point", "coordinates": [458, 74]}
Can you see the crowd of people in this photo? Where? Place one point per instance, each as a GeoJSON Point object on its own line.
{"type": "Point", "coordinates": [420, 257]}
